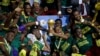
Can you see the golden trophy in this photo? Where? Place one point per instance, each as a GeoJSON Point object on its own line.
{"type": "Point", "coordinates": [97, 8]}
{"type": "Point", "coordinates": [51, 23]}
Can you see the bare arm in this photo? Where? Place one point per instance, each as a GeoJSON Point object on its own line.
{"type": "Point", "coordinates": [46, 44]}
{"type": "Point", "coordinates": [62, 35]}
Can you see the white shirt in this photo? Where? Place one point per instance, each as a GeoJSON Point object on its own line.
{"type": "Point", "coordinates": [80, 1]}
{"type": "Point", "coordinates": [33, 38]}
{"type": "Point", "coordinates": [85, 12]}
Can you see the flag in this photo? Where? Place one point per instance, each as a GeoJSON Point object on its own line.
{"type": "Point", "coordinates": [44, 20]}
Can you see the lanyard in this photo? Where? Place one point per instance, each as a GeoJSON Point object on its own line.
{"type": "Point", "coordinates": [58, 46]}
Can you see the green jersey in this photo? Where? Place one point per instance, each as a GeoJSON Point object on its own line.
{"type": "Point", "coordinates": [25, 41]}
{"type": "Point", "coordinates": [25, 19]}
{"type": "Point", "coordinates": [16, 42]}
{"type": "Point", "coordinates": [84, 44]}
{"type": "Point", "coordinates": [39, 45]}
{"type": "Point", "coordinates": [86, 29]}
{"type": "Point", "coordinates": [66, 45]}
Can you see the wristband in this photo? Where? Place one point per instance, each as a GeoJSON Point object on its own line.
{"type": "Point", "coordinates": [22, 28]}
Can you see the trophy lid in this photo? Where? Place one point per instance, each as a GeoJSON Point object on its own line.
{"type": "Point", "coordinates": [51, 21]}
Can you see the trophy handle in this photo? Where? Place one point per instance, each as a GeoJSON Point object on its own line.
{"type": "Point", "coordinates": [97, 7]}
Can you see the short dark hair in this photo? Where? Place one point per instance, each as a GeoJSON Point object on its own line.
{"type": "Point", "coordinates": [34, 27]}
{"type": "Point", "coordinates": [26, 3]}
{"type": "Point", "coordinates": [58, 20]}
{"type": "Point", "coordinates": [10, 31]}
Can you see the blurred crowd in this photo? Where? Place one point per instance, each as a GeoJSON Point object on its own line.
{"type": "Point", "coordinates": [22, 35]}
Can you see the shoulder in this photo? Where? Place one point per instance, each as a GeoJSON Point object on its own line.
{"type": "Point", "coordinates": [30, 35]}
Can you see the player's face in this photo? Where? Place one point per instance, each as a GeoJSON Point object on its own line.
{"type": "Point", "coordinates": [79, 33]}
{"type": "Point", "coordinates": [77, 15]}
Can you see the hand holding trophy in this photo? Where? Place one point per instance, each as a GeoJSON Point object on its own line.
{"type": "Point", "coordinates": [51, 23]}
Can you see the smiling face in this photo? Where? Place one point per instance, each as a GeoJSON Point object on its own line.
{"type": "Point", "coordinates": [77, 16]}
{"type": "Point", "coordinates": [36, 32]}
{"type": "Point", "coordinates": [58, 30]}
{"type": "Point", "coordinates": [10, 36]}
{"type": "Point", "coordinates": [28, 8]}
{"type": "Point", "coordinates": [79, 33]}
{"type": "Point", "coordinates": [17, 14]}
{"type": "Point", "coordinates": [36, 7]}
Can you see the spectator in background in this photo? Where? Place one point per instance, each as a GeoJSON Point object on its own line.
{"type": "Point", "coordinates": [50, 7]}
{"type": "Point", "coordinates": [36, 8]}
{"type": "Point", "coordinates": [13, 5]}
{"type": "Point", "coordinates": [85, 8]}
{"type": "Point", "coordinates": [5, 5]}
{"type": "Point", "coordinates": [65, 4]}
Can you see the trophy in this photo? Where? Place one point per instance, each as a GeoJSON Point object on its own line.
{"type": "Point", "coordinates": [51, 23]}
